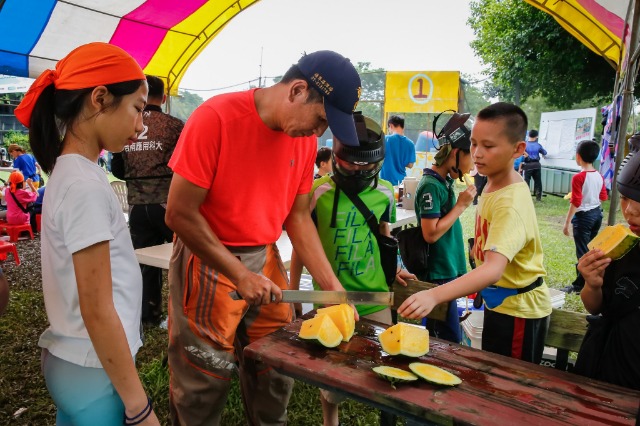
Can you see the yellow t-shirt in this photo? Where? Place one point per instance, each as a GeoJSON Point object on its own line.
{"type": "Point", "coordinates": [506, 223]}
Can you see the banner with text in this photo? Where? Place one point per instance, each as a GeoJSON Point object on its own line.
{"type": "Point", "coordinates": [421, 91]}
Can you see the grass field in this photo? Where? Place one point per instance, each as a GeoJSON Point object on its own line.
{"type": "Point", "coordinates": [22, 387]}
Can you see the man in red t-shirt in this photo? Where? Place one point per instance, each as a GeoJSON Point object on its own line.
{"type": "Point", "coordinates": [243, 167]}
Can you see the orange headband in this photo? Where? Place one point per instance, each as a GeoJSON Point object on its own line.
{"type": "Point", "coordinates": [15, 178]}
{"type": "Point", "coordinates": [90, 65]}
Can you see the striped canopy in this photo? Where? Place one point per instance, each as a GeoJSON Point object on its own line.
{"type": "Point", "coordinates": [164, 36]}
{"type": "Point", "coordinates": [601, 25]}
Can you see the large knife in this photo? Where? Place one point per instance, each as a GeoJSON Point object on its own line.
{"type": "Point", "coordinates": [333, 297]}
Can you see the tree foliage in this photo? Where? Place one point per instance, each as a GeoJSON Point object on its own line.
{"type": "Point", "coordinates": [182, 106]}
{"type": "Point", "coordinates": [17, 137]}
{"type": "Point", "coordinates": [527, 53]}
{"type": "Point", "coordinates": [474, 98]}
{"type": "Point", "coordinates": [372, 90]}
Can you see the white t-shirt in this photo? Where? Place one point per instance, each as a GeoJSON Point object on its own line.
{"type": "Point", "coordinates": [81, 210]}
{"type": "Point", "coordinates": [587, 190]}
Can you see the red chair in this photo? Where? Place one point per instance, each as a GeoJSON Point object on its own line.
{"type": "Point", "coordinates": [39, 222]}
{"type": "Point", "coordinates": [14, 231]}
{"type": "Point", "coordinates": [5, 248]}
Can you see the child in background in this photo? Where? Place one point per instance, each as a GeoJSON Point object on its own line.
{"type": "Point", "coordinates": [438, 214]}
{"type": "Point", "coordinates": [611, 349]}
{"type": "Point", "coordinates": [507, 248]}
{"type": "Point", "coordinates": [90, 277]}
{"type": "Point", "coordinates": [347, 240]}
{"type": "Point", "coordinates": [18, 199]}
{"type": "Point", "coordinates": [585, 212]}
{"type": "Point", "coordinates": [323, 162]}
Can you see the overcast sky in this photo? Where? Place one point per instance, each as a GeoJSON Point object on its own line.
{"type": "Point", "coordinates": [397, 35]}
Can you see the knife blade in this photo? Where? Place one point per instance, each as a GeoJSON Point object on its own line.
{"type": "Point", "coordinates": [333, 297]}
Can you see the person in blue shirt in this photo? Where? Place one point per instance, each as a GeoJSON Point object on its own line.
{"type": "Point", "coordinates": [517, 162]}
{"type": "Point", "coordinates": [36, 208]}
{"type": "Point", "coordinates": [400, 152]}
{"type": "Point", "coordinates": [531, 165]}
{"type": "Point", "coordinates": [26, 163]}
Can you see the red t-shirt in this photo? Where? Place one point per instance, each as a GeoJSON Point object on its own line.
{"type": "Point", "coordinates": [253, 173]}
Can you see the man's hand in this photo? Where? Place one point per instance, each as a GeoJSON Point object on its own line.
{"type": "Point", "coordinates": [565, 230]}
{"type": "Point", "coordinates": [404, 275]}
{"type": "Point", "coordinates": [257, 289]}
{"type": "Point", "coordinates": [591, 266]}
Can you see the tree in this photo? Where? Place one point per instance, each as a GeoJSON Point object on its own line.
{"type": "Point", "coordinates": [372, 95]}
{"type": "Point", "coordinates": [17, 137]}
{"type": "Point", "coordinates": [527, 52]}
{"type": "Point", "coordinates": [183, 105]}
{"type": "Point", "coordinates": [474, 98]}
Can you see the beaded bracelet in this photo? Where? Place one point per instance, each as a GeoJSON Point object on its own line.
{"type": "Point", "coordinates": [140, 417]}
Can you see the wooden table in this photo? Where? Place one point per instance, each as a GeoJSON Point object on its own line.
{"type": "Point", "coordinates": [404, 217]}
{"type": "Point", "coordinates": [160, 255]}
{"type": "Point", "coordinates": [495, 390]}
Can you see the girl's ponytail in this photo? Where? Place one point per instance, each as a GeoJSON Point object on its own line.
{"type": "Point", "coordinates": [44, 135]}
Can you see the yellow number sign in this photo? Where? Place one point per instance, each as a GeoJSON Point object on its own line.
{"type": "Point", "coordinates": [421, 91]}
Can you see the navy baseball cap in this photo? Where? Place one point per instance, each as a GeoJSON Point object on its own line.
{"type": "Point", "coordinates": [337, 80]}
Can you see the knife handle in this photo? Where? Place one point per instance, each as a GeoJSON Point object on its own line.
{"type": "Point", "coordinates": [234, 295]}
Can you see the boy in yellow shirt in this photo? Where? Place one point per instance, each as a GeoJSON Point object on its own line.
{"type": "Point", "coordinates": [507, 250]}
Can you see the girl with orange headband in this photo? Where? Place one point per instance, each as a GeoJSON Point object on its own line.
{"type": "Point", "coordinates": [92, 285]}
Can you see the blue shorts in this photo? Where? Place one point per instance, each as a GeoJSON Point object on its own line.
{"type": "Point", "coordinates": [83, 395]}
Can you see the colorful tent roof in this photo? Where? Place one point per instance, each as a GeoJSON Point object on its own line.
{"type": "Point", "coordinates": [598, 24]}
{"type": "Point", "coordinates": [164, 36]}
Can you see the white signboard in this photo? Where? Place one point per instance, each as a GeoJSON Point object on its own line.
{"type": "Point", "coordinates": [14, 84]}
{"type": "Point", "coordinates": [560, 133]}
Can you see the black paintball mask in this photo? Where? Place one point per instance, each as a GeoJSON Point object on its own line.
{"type": "Point", "coordinates": [370, 151]}
{"type": "Point", "coordinates": [457, 133]}
{"type": "Point", "coordinates": [629, 177]}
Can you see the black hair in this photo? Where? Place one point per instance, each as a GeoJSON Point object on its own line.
{"type": "Point", "coordinates": [533, 133]}
{"type": "Point", "coordinates": [156, 86]}
{"type": "Point", "coordinates": [294, 73]}
{"type": "Point", "coordinates": [396, 120]}
{"type": "Point", "coordinates": [588, 150]}
{"type": "Point", "coordinates": [45, 135]}
{"type": "Point", "coordinates": [323, 155]}
{"type": "Point", "coordinates": [515, 119]}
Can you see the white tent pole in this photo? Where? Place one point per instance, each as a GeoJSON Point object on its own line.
{"type": "Point", "coordinates": [625, 110]}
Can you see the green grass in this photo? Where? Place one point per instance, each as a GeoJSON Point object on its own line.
{"type": "Point", "coordinates": [22, 385]}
